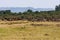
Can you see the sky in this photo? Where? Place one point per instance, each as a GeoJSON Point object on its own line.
{"type": "Point", "coordinates": [29, 3]}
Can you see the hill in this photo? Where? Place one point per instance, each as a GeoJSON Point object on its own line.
{"type": "Point", "coordinates": [22, 9]}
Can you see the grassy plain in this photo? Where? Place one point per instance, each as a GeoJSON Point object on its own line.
{"type": "Point", "coordinates": [26, 30]}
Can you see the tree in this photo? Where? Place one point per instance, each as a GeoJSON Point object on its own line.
{"type": "Point", "coordinates": [57, 8]}
{"type": "Point", "coordinates": [29, 11]}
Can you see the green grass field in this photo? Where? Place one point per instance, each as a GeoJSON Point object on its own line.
{"type": "Point", "coordinates": [25, 30]}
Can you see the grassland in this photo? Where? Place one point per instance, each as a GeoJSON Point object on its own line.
{"type": "Point", "coordinates": [26, 30]}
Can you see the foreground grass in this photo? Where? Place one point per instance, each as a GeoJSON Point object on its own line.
{"type": "Point", "coordinates": [24, 30]}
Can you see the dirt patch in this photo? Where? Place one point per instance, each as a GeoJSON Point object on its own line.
{"type": "Point", "coordinates": [41, 24]}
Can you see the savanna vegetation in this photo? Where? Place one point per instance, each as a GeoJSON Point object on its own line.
{"type": "Point", "coordinates": [30, 15]}
{"type": "Point", "coordinates": [27, 30]}
{"type": "Point", "coordinates": [20, 26]}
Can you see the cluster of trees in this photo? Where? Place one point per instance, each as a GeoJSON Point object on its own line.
{"type": "Point", "coordinates": [31, 16]}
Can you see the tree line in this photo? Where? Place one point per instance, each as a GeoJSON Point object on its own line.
{"type": "Point", "coordinates": [53, 15]}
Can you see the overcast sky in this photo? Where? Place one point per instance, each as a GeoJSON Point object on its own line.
{"type": "Point", "coordinates": [29, 3]}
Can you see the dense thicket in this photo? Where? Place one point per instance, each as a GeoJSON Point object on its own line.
{"type": "Point", "coordinates": [31, 16]}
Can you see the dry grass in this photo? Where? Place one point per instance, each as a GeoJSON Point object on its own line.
{"type": "Point", "coordinates": [25, 30]}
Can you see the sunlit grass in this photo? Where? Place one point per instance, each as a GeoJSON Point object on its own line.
{"type": "Point", "coordinates": [24, 30]}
